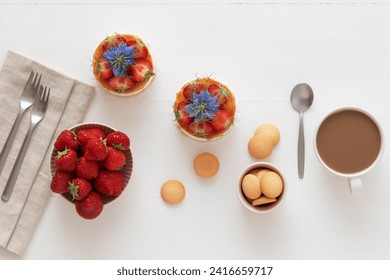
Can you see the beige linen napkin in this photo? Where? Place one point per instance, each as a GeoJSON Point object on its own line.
{"type": "Point", "coordinates": [68, 102]}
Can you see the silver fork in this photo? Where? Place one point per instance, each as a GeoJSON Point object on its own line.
{"type": "Point", "coordinates": [37, 114]}
{"type": "Point", "coordinates": [26, 100]}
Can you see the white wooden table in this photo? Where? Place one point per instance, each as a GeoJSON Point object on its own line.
{"type": "Point", "coordinates": [261, 51]}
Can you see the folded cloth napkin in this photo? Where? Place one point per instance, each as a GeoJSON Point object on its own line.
{"type": "Point", "coordinates": [68, 102]}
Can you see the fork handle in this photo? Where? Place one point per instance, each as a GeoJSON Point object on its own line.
{"type": "Point", "coordinates": [10, 140]}
{"type": "Point", "coordinates": [18, 163]}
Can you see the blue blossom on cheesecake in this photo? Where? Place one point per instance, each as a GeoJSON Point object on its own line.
{"type": "Point", "coordinates": [203, 106]}
{"type": "Point", "coordinates": [119, 58]}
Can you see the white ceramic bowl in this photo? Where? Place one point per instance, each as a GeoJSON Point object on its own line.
{"type": "Point", "coordinates": [125, 171]}
{"type": "Point", "coordinates": [266, 208]}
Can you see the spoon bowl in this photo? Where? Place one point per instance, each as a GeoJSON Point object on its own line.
{"type": "Point", "coordinates": [301, 99]}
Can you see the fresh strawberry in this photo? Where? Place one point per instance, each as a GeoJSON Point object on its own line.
{"type": "Point", "coordinates": [109, 183]}
{"type": "Point", "coordinates": [90, 207]}
{"type": "Point", "coordinates": [219, 91]}
{"type": "Point", "coordinates": [106, 46]}
{"type": "Point", "coordinates": [222, 120]}
{"type": "Point", "coordinates": [112, 41]}
{"type": "Point", "coordinates": [140, 49]}
{"type": "Point", "coordinates": [118, 140]}
{"type": "Point", "coordinates": [79, 188]}
{"type": "Point", "coordinates": [119, 40]}
{"type": "Point", "coordinates": [142, 69]}
{"type": "Point", "coordinates": [95, 150]}
{"type": "Point", "coordinates": [202, 129]}
{"type": "Point", "coordinates": [60, 182]}
{"type": "Point", "coordinates": [199, 88]}
{"type": "Point", "coordinates": [121, 83]}
{"type": "Point", "coordinates": [214, 89]}
{"type": "Point", "coordinates": [66, 139]}
{"type": "Point", "coordinates": [87, 170]}
{"type": "Point", "coordinates": [104, 69]}
{"type": "Point", "coordinates": [66, 160]}
{"type": "Point", "coordinates": [191, 88]}
{"type": "Point", "coordinates": [182, 115]}
{"type": "Point", "coordinates": [84, 135]}
{"type": "Point", "coordinates": [115, 159]}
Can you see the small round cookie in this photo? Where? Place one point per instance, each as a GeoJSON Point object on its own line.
{"type": "Point", "coordinates": [206, 165]}
{"type": "Point", "coordinates": [270, 131]}
{"type": "Point", "coordinates": [271, 184]}
{"type": "Point", "coordinates": [261, 173]}
{"type": "Point", "coordinates": [173, 191]}
{"type": "Point", "coordinates": [263, 200]}
{"type": "Point", "coordinates": [251, 186]}
{"type": "Point", "coordinates": [260, 146]}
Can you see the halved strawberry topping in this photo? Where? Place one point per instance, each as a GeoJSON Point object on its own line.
{"type": "Point", "coordinates": [106, 46]}
{"type": "Point", "coordinates": [199, 88]}
{"type": "Point", "coordinates": [219, 91]}
{"type": "Point", "coordinates": [214, 89]}
{"type": "Point", "coordinates": [182, 115]}
{"type": "Point", "coordinates": [222, 120]}
{"type": "Point", "coordinates": [142, 69]}
{"type": "Point", "coordinates": [112, 41]}
{"type": "Point", "coordinates": [202, 129]}
{"type": "Point", "coordinates": [140, 50]}
{"type": "Point", "coordinates": [119, 40]}
{"type": "Point", "coordinates": [104, 69]}
{"type": "Point", "coordinates": [193, 87]}
{"type": "Point", "coordinates": [121, 83]}
{"type": "Point", "coordinates": [189, 90]}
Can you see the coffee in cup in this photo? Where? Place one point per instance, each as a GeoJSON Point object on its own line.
{"type": "Point", "coordinates": [349, 143]}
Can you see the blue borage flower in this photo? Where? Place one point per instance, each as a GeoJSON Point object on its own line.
{"type": "Point", "coordinates": [119, 58]}
{"type": "Point", "coordinates": [203, 106]}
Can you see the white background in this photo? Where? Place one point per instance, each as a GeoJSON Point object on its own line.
{"type": "Point", "coordinates": [261, 51]}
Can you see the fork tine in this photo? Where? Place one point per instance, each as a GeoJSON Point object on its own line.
{"type": "Point", "coordinates": [47, 95]}
{"type": "Point", "coordinates": [31, 77]}
{"type": "Point", "coordinates": [43, 95]}
{"type": "Point", "coordinates": [39, 93]}
{"type": "Point", "coordinates": [37, 83]}
{"type": "Point", "coordinates": [35, 78]}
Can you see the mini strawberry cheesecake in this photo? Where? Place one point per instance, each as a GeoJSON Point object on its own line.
{"type": "Point", "coordinates": [123, 65]}
{"type": "Point", "coordinates": [205, 109]}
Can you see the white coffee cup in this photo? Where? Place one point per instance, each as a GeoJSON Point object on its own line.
{"type": "Point", "coordinates": [327, 124]}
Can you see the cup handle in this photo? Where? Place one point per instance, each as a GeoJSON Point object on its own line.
{"type": "Point", "coordinates": [355, 185]}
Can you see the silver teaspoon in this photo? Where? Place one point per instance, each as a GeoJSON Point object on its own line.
{"type": "Point", "coordinates": [301, 99]}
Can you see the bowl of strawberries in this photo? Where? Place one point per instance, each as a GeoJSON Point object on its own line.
{"type": "Point", "coordinates": [123, 64]}
{"type": "Point", "coordinates": [91, 165]}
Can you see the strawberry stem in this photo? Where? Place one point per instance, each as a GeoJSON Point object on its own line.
{"type": "Point", "coordinates": [74, 190]}
{"type": "Point", "coordinates": [62, 153]}
{"type": "Point", "coordinates": [148, 74]}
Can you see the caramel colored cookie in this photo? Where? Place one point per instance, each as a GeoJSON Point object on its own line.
{"type": "Point", "coordinates": [173, 192]}
{"type": "Point", "coordinates": [260, 146]}
{"type": "Point", "coordinates": [251, 186]}
{"type": "Point", "coordinates": [206, 165]}
{"type": "Point", "coordinates": [261, 173]}
{"type": "Point", "coordinates": [270, 131]}
{"type": "Point", "coordinates": [271, 184]}
{"type": "Point", "coordinates": [263, 200]}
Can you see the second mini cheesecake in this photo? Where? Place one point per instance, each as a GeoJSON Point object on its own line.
{"type": "Point", "coordinates": [205, 109]}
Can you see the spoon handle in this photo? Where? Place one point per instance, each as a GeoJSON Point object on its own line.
{"type": "Point", "coordinates": [301, 147]}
